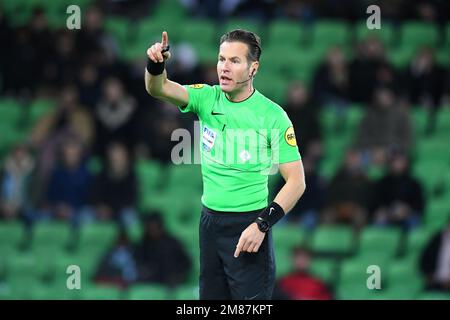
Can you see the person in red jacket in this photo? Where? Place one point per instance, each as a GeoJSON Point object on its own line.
{"type": "Point", "coordinates": [300, 284]}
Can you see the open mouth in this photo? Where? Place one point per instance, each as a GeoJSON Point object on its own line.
{"type": "Point", "coordinates": [225, 79]}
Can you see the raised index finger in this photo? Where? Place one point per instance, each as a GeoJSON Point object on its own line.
{"type": "Point", "coordinates": [165, 39]}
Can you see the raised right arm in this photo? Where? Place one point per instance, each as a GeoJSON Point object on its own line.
{"type": "Point", "coordinates": [158, 86]}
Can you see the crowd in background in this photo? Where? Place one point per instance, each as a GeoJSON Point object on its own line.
{"type": "Point", "coordinates": [104, 112]}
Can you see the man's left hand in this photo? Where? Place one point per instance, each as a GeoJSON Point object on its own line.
{"type": "Point", "coordinates": [250, 240]}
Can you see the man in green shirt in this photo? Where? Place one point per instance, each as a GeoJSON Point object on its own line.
{"type": "Point", "coordinates": [243, 135]}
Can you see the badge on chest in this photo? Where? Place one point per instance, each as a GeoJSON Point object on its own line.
{"type": "Point", "coordinates": [208, 139]}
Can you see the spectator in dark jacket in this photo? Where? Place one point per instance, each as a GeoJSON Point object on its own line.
{"type": "Point", "coordinates": [399, 196]}
{"type": "Point", "coordinates": [115, 189]}
{"type": "Point", "coordinates": [159, 256]}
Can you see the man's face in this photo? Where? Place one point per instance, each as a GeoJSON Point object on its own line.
{"type": "Point", "coordinates": [233, 66]}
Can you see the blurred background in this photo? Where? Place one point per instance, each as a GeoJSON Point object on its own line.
{"type": "Point", "coordinates": [86, 177]}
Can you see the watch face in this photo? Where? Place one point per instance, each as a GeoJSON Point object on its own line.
{"type": "Point", "coordinates": [263, 226]}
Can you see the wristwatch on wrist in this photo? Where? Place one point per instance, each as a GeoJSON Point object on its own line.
{"type": "Point", "coordinates": [263, 225]}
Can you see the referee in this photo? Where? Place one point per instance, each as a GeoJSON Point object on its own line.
{"type": "Point", "coordinates": [236, 251]}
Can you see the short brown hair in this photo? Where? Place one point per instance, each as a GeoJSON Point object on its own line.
{"type": "Point", "coordinates": [250, 38]}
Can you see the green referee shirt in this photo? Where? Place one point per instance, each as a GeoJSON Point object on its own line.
{"type": "Point", "coordinates": [240, 142]}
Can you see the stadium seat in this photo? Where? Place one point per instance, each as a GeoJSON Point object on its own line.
{"type": "Point", "coordinates": [39, 108]}
{"type": "Point", "coordinates": [354, 271]}
{"type": "Point", "coordinates": [436, 295]}
{"type": "Point", "coordinates": [283, 261]}
{"type": "Point", "coordinates": [333, 239]}
{"type": "Point", "coordinates": [11, 233]}
{"type": "Point", "coordinates": [330, 32]}
{"type": "Point", "coordinates": [193, 28]}
{"type": "Point", "coordinates": [443, 121]}
{"type": "Point", "coordinates": [386, 34]}
{"type": "Point", "coordinates": [98, 236]}
{"type": "Point", "coordinates": [325, 269]}
{"type": "Point", "coordinates": [119, 29]}
{"type": "Point", "coordinates": [147, 292]}
{"type": "Point", "coordinates": [405, 272]}
{"type": "Point", "coordinates": [245, 24]}
{"type": "Point", "coordinates": [288, 236]}
{"type": "Point", "coordinates": [100, 293]}
{"type": "Point", "coordinates": [400, 57]}
{"type": "Point", "coordinates": [10, 111]}
{"type": "Point", "coordinates": [416, 241]}
{"type": "Point", "coordinates": [379, 242]}
{"type": "Point", "coordinates": [185, 292]}
{"type": "Point", "coordinates": [417, 34]}
{"type": "Point", "coordinates": [283, 32]}
{"type": "Point", "coordinates": [437, 214]}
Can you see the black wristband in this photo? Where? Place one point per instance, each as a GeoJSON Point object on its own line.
{"type": "Point", "coordinates": [272, 214]}
{"type": "Point", "coordinates": [153, 68]}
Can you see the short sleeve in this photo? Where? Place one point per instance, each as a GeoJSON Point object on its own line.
{"type": "Point", "coordinates": [200, 95]}
{"type": "Point", "coordinates": [283, 141]}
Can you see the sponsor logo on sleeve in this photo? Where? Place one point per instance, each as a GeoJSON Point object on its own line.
{"type": "Point", "coordinates": [289, 136]}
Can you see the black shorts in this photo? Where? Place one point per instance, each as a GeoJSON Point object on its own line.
{"type": "Point", "coordinates": [251, 276]}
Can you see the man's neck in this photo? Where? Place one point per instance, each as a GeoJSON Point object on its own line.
{"type": "Point", "coordinates": [241, 95]}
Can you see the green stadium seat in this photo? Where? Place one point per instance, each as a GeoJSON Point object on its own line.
{"type": "Point", "coordinates": [434, 295]}
{"type": "Point", "coordinates": [416, 241]}
{"type": "Point", "coordinates": [386, 34]}
{"type": "Point", "coordinates": [333, 239]}
{"type": "Point", "coordinates": [443, 121]}
{"type": "Point", "coordinates": [324, 269]}
{"type": "Point", "coordinates": [273, 88]}
{"type": "Point", "coordinates": [245, 24]}
{"type": "Point", "coordinates": [437, 214]}
{"type": "Point", "coordinates": [288, 236]}
{"type": "Point", "coordinates": [380, 242]}
{"type": "Point", "coordinates": [405, 273]}
{"type": "Point", "coordinates": [98, 234]}
{"type": "Point", "coordinates": [186, 292]}
{"type": "Point", "coordinates": [39, 108]}
{"type": "Point", "coordinates": [52, 234]}
{"type": "Point", "coordinates": [100, 293]}
{"type": "Point", "coordinates": [284, 32]}
{"type": "Point", "coordinates": [330, 32]}
{"type": "Point", "coordinates": [12, 233]}
{"type": "Point", "coordinates": [417, 34]}
{"type": "Point", "coordinates": [10, 111]}
{"type": "Point", "coordinates": [354, 271]}
{"type": "Point", "coordinates": [420, 118]}
{"type": "Point", "coordinates": [401, 57]}
{"type": "Point", "coordinates": [283, 261]}
{"type": "Point", "coordinates": [148, 292]}
{"type": "Point", "coordinates": [205, 28]}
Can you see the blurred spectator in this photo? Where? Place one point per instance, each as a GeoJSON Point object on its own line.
{"type": "Point", "coordinates": [117, 266]}
{"type": "Point", "coordinates": [331, 81]}
{"type": "Point", "coordinates": [63, 62]}
{"type": "Point", "coordinates": [92, 39]}
{"type": "Point", "coordinates": [385, 127]}
{"type": "Point", "coordinates": [164, 120]}
{"type": "Point", "coordinates": [15, 182]}
{"type": "Point", "coordinates": [115, 116]}
{"type": "Point", "coordinates": [348, 197]}
{"type": "Point", "coordinates": [425, 80]}
{"type": "Point", "coordinates": [297, 10]}
{"type": "Point", "coordinates": [369, 70]}
{"type": "Point", "coordinates": [304, 115]}
{"type": "Point", "coordinates": [159, 256]}
{"type": "Point", "coordinates": [399, 196]}
{"type": "Point", "coordinates": [300, 284]}
{"type": "Point", "coordinates": [131, 9]}
{"type": "Point", "coordinates": [69, 183]}
{"type": "Point", "coordinates": [435, 260]}
{"type": "Point", "coordinates": [114, 191]}
{"type": "Point", "coordinates": [89, 85]}
{"type": "Point", "coordinates": [307, 210]}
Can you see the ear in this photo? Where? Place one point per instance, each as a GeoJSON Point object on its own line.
{"type": "Point", "coordinates": [254, 68]}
